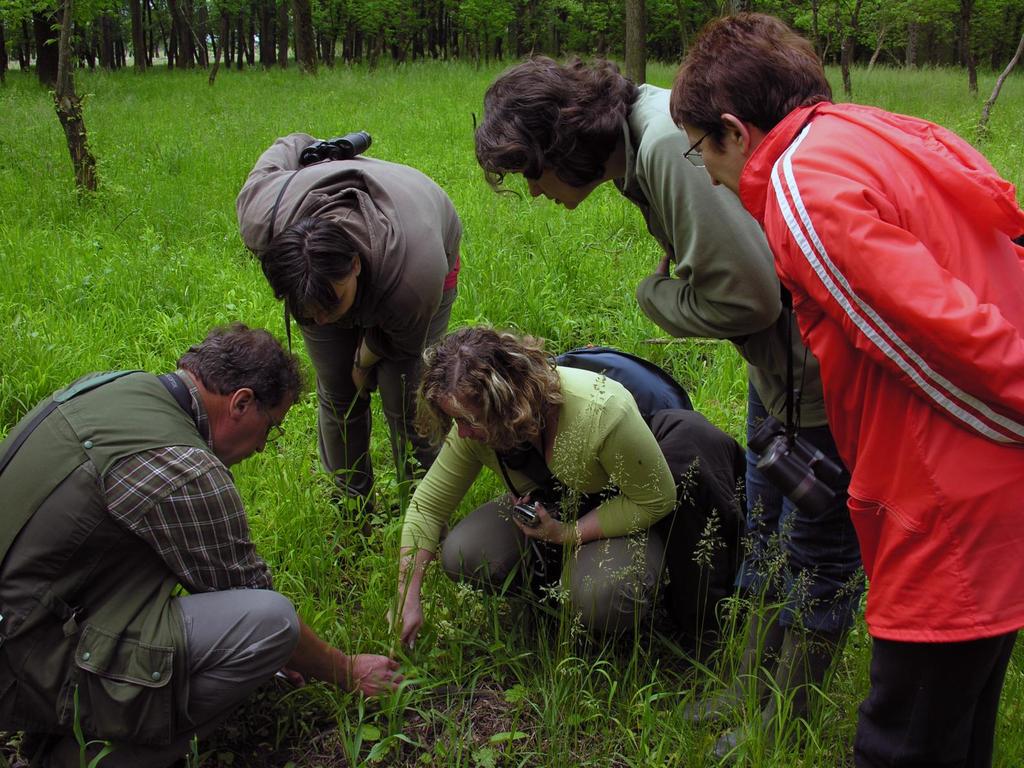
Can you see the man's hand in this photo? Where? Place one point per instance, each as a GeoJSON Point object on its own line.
{"type": "Point", "coordinates": [373, 675]}
{"type": "Point", "coordinates": [663, 266]}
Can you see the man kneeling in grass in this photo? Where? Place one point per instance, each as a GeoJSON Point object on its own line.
{"type": "Point", "coordinates": [116, 491]}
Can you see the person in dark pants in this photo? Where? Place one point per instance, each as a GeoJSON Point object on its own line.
{"type": "Point", "coordinates": [897, 242]}
{"type": "Point", "coordinates": [569, 128]}
{"type": "Point", "coordinates": [365, 255]}
{"type": "Point", "coordinates": [116, 491]}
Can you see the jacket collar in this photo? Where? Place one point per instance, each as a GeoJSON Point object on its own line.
{"type": "Point", "coordinates": [756, 177]}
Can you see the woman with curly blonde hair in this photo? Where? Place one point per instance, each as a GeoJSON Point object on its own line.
{"type": "Point", "coordinates": [507, 399]}
{"type": "Point", "coordinates": [573, 448]}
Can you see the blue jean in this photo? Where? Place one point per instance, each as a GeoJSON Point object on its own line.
{"type": "Point", "coordinates": [808, 562]}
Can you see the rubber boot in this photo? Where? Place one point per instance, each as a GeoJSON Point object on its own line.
{"type": "Point", "coordinates": [804, 662]}
{"type": "Point", "coordinates": [759, 657]}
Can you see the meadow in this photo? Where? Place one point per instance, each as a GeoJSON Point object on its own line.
{"type": "Point", "coordinates": [130, 276]}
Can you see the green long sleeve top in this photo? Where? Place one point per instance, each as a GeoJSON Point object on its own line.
{"type": "Point", "coordinates": [724, 284]}
{"type": "Point", "coordinates": [602, 443]}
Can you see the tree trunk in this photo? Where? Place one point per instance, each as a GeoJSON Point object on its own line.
{"type": "Point", "coordinates": [815, 28]}
{"type": "Point", "coordinates": [913, 33]}
{"type": "Point", "coordinates": [879, 42]}
{"type": "Point", "coordinates": [847, 48]}
{"type": "Point", "coordinates": [268, 51]}
{"type": "Point", "coordinates": [240, 41]}
{"type": "Point", "coordinates": [3, 54]}
{"type": "Point", "coordinates": [202, 23]}
{"type": "Point", "coordinates": [222, 48]}
{"type": "Point", "coordinates": [966, 53]}
{"type": "Point", "coordinates": [46, 47]}
{"type": "Point", "coordinates": [282, 33]}
{"type": "Point", "coordinates": [24, 58]}
{"type": "Point", "coordinates": [106, 41]}
{"type": "Point", "coordinates": [636, 41]}
{"type": "Point", "coordinates": [69, 110]}
{"type": "Point", "coordinates": [151, 46]}
{"type": "Point", "coordinates": [305, 51]}
{"type": "Point", "coordinates": [138, 35]}
{"type": "Point", "coordinates": [250, 40]}
{"type": "Point", "coordinates": [983, 123]}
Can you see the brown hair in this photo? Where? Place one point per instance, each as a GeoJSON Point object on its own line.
{"type": "Point", "coordinates": [235, 356]}
{"type": "Point", "coordinates": [541, 114]}
{"type": "Point", "coordinates": [303, 262]}
{"type": "Point", "coordinates": [509, 379]}
{"type": "Point", "coordinates": [750, 65]}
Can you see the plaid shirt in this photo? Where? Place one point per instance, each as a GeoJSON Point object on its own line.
{"type": "Point", "coordinates": [182, 501]}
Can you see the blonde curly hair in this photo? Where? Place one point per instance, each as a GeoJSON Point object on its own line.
{"type": "Point", "coordinates": [508, 380]}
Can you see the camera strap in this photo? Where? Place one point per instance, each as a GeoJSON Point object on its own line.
{"type": "Point", "coordinates": [793, 395]}
{"type": "Point", "coordinates": [528, 460]}
{"type": "Point", "coordinates": [790, 375]}
{"type": "Point", "coordinates": [270, 238]}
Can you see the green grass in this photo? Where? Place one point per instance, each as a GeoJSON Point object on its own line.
{"type": "Point", "coordinates": [132, 275]}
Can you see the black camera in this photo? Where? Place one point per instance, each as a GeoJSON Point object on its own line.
{"type": "Point", "coordinates": [808, 477]}
{"type": "Point", "coordinates": [341, 148]}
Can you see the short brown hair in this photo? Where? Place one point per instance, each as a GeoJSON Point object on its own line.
{"type": "Point", "coordinates": [235, 356]}
{"type": "Point", "coordinates": [750, 65]}
{"type": "Point", "coordinates": [508, 378]}
{"type": "Point", "coordinates": [541, 114]}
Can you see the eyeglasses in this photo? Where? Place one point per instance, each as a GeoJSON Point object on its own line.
{"type": "Point", "coordinates": [274, 431]}
{"type": "Point", "coordinates": [693, 154]}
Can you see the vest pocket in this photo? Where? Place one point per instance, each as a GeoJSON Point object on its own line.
{"type": "Point", "coordinates": [124, 690]}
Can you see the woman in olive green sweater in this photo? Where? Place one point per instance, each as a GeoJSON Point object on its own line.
{"type": "Point", "coordinates": [502, 392]}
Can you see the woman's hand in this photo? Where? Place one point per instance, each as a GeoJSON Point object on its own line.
{"type": "Point", "coordinates": [547, 528]}
{"type": "Point", "coordinates": [364, 379]}
{"type": "Point", "coordinates": [663, 266]}
{"type": "Point", "coordinates": [407, 619]}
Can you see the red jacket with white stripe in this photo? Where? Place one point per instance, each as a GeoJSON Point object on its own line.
{"type": "Point", "coordinates": [895, 238]}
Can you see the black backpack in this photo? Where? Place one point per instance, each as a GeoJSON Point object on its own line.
{"type": "Point", "coordinates": [652, 387]}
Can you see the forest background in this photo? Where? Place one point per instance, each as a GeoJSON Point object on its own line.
{"type": "Point", "coordinates": [129, 276]}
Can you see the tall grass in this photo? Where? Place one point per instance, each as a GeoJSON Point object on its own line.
{"type": "Point", "coordinates": [129, 277]}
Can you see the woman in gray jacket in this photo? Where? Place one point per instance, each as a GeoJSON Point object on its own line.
{"type": "Point", "coordinates": [568, 129]}
{"type": "Point", "coordinates": [365, 255]}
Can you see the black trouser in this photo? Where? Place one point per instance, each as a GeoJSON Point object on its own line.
{"type": "Point", "coordinates": [932, 705]}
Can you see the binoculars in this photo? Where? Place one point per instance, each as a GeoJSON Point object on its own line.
{"type": "Point", "coordinates": [341, 148]}
{"type": "Point", "coordinates": [803, 473]}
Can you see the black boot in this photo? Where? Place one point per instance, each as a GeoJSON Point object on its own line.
{"type": "Point", "coordinates": [759, 657]}
{"type": "Point", "coordinates": [804, 662]}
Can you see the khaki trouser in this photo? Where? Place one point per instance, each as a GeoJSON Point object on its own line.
{"type": "Point", "coordinates": [611, 583]}
{"type": "Point", "coordinates": [344, 420]}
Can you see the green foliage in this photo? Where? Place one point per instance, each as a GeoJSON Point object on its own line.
{"type": "Point", "coordinates": [131, 276]}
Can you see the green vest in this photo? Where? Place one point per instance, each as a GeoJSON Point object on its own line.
{"type": "Point", "coordinates": [86, 605]}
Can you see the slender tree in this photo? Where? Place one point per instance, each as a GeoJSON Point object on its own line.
{"type": "Point", "coordinates": [305, 48]}
{"type": "Point", "coordinates": [138, 35]}
{"type": "Point", "coordinates": [282, 33]}
{"type": "Point", "coordinates": [43, 24]}
{"type": "Point", "coordinates": [69, 109]}
{"type": "Point", "coordinates": [987, 109]}
{"type": "Point", "coordinates": [846, 50]}
{"type": "Point", "coordinates": [3, 54]}
{"type": "Point", "coordinates": [966, 51]}
{"type": "Point", "coordinates": [636, 40]}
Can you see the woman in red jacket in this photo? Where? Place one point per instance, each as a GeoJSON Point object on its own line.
{"type": "Point", "coordinates": [897, 242]}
